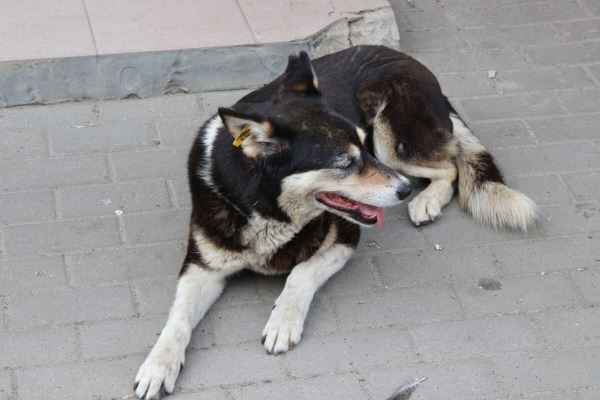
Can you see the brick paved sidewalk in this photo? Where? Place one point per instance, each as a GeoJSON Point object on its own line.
{"type": "Point", "coordinates": [85, 291]}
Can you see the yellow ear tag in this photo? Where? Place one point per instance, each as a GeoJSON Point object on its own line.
{"type": "Point", "coordinates": [237, 142]}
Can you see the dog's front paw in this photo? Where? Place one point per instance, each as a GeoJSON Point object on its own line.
{"type": "Point", "coordinates": [424, 209]}
{"type": "Point", "coordinates": [158, 373]}
{"type": "Point", "coordinates": [284, 328]}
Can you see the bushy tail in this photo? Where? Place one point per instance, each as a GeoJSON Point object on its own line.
{"type": "Point", "coordinates": [481, 189]}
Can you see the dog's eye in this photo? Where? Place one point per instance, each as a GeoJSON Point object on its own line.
{"type": "Point", "coordinates": [343, 162]}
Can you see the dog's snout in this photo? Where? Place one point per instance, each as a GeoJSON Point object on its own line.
{"type": "Point", "coordinates": [404, 191]}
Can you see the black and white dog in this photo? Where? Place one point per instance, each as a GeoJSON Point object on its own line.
{"type": "Point", "coordinates": [281, 181]}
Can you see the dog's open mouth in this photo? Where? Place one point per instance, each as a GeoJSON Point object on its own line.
{"type": "Point", "coordinates": [363, 213]}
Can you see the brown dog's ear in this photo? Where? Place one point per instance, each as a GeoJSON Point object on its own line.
{"type": "Point", "coordinates": [299, 76]}
{"type": "Point", "coordinates": [250, 132]}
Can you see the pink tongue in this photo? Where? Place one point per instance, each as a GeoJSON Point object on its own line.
{"type": "Point", "coordinates": [372, 211]}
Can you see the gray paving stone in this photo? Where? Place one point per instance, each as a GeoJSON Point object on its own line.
{"type": "Point", "coordinates": [394, 235]}
{"type": "Point", "coordinates": [126, 264]}
{"type": "Point", "coordinates": [502, 134]}
{"type": "Point", "coordinates": [466, 380]}
{"type": "Point", "coordinates": [546, 396]}
{"type": "Point", "coordinates": [117, 338]}
{"type": "Point", "coordinates": [543, 190]}
{"type": "Point", "coordinates": [130, 197]}
{"type": "Point", "coordinates": [525, 13]}
{"type": "Point", "coordinates": [211, 101]}
{"type": "Point", "coordinates": [578, 327]}
{"type": "Point", "coordinates": [61, 236]}
{"type": "Point", "coordinates": [51, 173]}
{"type": "Point", "coordinates": [561, 129]}
{"type": "Point", "coordinates": [358, 276]}
{"type": "Point", "coordinates": [5, 385]}
{"type": "Point", "coordinates": [156, 297]}
{"type": "Point", "coordinates": [69, 306]}
{"type": "Point", "coordinates": [463, 60]}
{"type": "Point", "coordinates": [244, 364]}
{"type": "Point", "coordinates": [549, 158]}
{"type": "Point", "coordinates": [547, 255]}
{"type": "Point", "coordinates": [595, 71]}
{"type": "Point", "coordinates": [517, 295]}
{"type": "Point", "coordinates": [102, 138]}
{"type": "Point", "coordinates": [150, 108]}
{"type": "Point", "coordinates": [181, 192]}
{"type": "Point", "coordinates": [430, 40]}
{"type": "Point", "coordinates": [577, 30]}
{"type": "Point", "coordinates": [152, 164]}
{"type": "Point", "coordinates": [583, 100]}
{"type": "Point", "coordinates": [68, 114]}
{"type": "Point", "coordinates": [478, 337]}
{"type": "Point", "coordinates": [178, 131]}
{"type": "Point", "coordinates": [593, 394]}
{"type": "Point", "coordinates": [104, 379]}
{"type": "Point", "coordinates": [567, 54]}
{"type": "Point", "coordinates": [472, 16]}
{"type": "Point", "coordinates": [461, 230]}
{"type": "Point", "coordinates": [21, 276]}
{"type": "Point", "coordinates": [156, 226]}
{"type": "Point", "coordinates": [588, 282]}
{"type": "Point", "coordinates": [22, 207]}
{"type": "Point", "coordinates": [417, 19]}
{"type": "Point", "coordinates": [242, 289]}
{"type": "Point", "coordinates": [434, 303]}
{"type": "Point", "coordinates": [38, 346]}
{"type": "Point", "coordinates": [321, 388]}
{"type": "Point", "coordinates": [561, 370]}
{"type": "Point", "coordinates": [209, 394]}
{"type": "Point", "coordinates": [431, 267]}
{"type": "Point", "coordinates": [348, 351]}
{"type": "Point", "coordinates": [510, 106]}
{"type": "Point", "coordinates": [242, 323]}
{"type": "Point", "coordinates": [507, 36]}
{"type": "Point", "coordinates": [542, 79]}
{"type": "Point", "coordinates": [203, 336]}
{"type": "Point", "coordinates": [570, 219]}
{"type": "Point", "coordinates": [22, 143]}
{"type": "Point", "coordinates": [466, 84]}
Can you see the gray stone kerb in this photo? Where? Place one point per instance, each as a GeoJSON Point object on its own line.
{"type": "Point", "coordinates": [141, 75]}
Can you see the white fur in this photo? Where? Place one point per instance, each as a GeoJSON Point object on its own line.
{"type": "Point", "coordinates": [197, 289]}
{"type": "Point", "coordinates": [492, 203]}
{"type": "Point", "coordinates": [286, 323]}
{"type": "Point", "coordinates": [362, 135]}
{"type": "Point", "coordinates": [210, 135]}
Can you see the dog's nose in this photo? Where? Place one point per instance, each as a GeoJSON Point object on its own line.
{"type": "Point", "coordinates": [404, 191]}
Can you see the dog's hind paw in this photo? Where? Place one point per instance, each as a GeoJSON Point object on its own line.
{"type": "Point", "coordinates": [157, 375]}
{"type": "Point", "coordinates": [284, 328]}
{"type": "Point", "coordinates": [424, 209]}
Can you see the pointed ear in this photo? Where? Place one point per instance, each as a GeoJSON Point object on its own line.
{"type": "Point", "coordinates": [299, 77]}
{"type": "Point", "coordinates": [251, 132]}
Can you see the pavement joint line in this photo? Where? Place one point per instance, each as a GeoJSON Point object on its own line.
{"type": "Point", "coordinates": [69, 273]}
{"type": "Point", "coordinates": [567, 188]}
{"type": "Point", "coordinates": [529, 130]}
{"type": "Point", "coordinates": [135, 300]}
{"type": "Point", "coordinates": [78, 340]}
{"type": "Point", "coordinates": [561, 104]}
{"type": "Point", "coordinates": [590, 74]}
{"type": "Point", "coordinates": [173, 198]}
{"type": "Point", "coordinates": [14, 383]}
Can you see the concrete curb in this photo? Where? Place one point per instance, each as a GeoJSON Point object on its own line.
{"type": "Point", "coordinates": [140, 75]}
